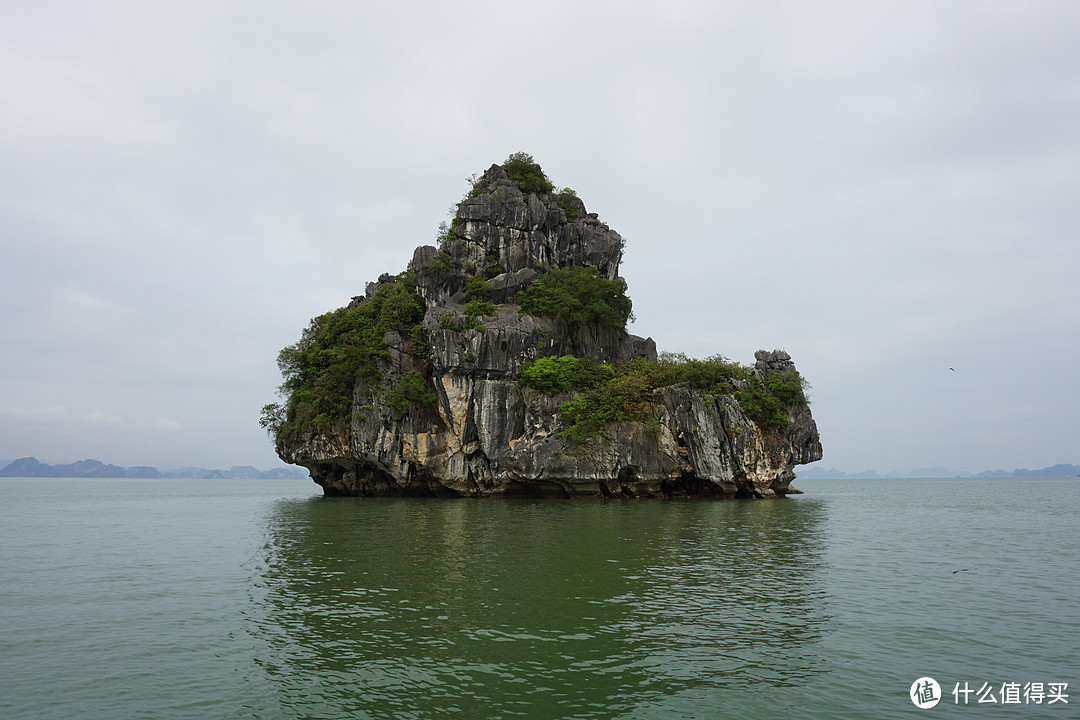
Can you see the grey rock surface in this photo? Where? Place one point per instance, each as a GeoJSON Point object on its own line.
{"type": "Point", "coordinates": [487, 435]}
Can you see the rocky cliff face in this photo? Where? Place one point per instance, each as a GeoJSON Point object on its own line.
{"type": "Point", "coordinates": [469, 427]}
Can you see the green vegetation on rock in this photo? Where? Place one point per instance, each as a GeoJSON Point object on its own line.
{"type": "Point", "coordinates": [566, 198]}
{"type": "Point", "coordinates": [625, 394]}
{"type": "Point", "coordinates": [474, 310]}
{"type": "Point", "coordinates": [443, 261]}
{"type": "Point", "coordinates": [789, 387]}
{"type": "Point", "coordinates": [477, 288]}
{"type": "Point", "coordinates": [480, 308]}
{"type": "Point", "coordinates": [578, 296]}
{"type": "Point", "coordinates": [527, 174]}
{"type": "Point", "coordinates": [554, 375]}
{"type": "Point", "coordinates": [767, 406]}
{"type": "Point", "coordinates": [627, 391]}
{"type": "Point", "coordinates": [412, 388]}
{"type": "Point", "coordinates": [336, 350]}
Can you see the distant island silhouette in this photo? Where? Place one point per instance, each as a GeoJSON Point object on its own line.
{"type": "Point", "coordinates": [818, 473]}
{"type": "Point", "coordinates": [31, 467]}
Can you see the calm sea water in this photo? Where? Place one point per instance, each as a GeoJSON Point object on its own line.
{"type": "Point", "coordinates": [259, 599]}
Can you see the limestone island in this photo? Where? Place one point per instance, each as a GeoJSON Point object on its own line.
{"type": "Point", "coordinates": [498, 365]}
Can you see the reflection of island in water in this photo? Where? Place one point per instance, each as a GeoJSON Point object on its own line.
{"type": "Point", "coordinates": [386, 608]}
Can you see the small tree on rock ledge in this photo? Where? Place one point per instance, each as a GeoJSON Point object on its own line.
{"type": "Point", "coordinates": [527, 174]}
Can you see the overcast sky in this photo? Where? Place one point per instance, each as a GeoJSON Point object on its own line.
{"type": "Point", "coordinates": [884, 189]}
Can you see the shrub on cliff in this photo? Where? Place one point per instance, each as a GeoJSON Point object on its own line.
{"type": "Point", "coordinates": [477, 288]}
{"type": "Point", "coordinates": [568, 201]}
{"type": "Point", "coordinates": [715, 375]}
{"type": "Point", "coordinates": [527, 174]}
{"type": "Point", "coordinates": [577, 296]}
{"type": "Point", "coordinates": [337, 349]}
{"type": "Point", "coordinates": [767, 411]}
{"type": "Point", "coordinates": [412, 388]}
{"type": "Point", "coordinates": [627, 391]}
{"type": "Point", "coordinates": [768, 405]}
{"type": "Point", "coordinates": [789, 387]}
{"type": "Point", "coordinates": [626, 394]}
{"type": "Point", "coordinates": [554, 375]}
{"type": "Point", "coordinates": [480, 308]}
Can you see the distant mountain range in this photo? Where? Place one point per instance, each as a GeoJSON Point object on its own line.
{"type": "Point", "coordinates": [819, 473]}
{"type": "Point", "coordinates": [31, 467]}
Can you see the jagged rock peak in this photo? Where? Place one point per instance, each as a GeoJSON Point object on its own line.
{"type": "Point", "coordinates": [777, 361]}
{"type": "Point", "coordinates": [509, 231]}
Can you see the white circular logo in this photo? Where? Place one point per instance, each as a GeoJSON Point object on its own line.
{"type": "Point", "coordinates": [925, 693]}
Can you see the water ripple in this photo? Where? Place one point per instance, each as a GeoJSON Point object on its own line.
{"type": "Point", "coordinates": [535, 609]}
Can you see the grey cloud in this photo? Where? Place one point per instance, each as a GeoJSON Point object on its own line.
{"type": "Point", "coordinates": [883, 190]}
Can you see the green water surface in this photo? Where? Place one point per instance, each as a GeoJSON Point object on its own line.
{"type": "Point", "coordinates": [256, 599]}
